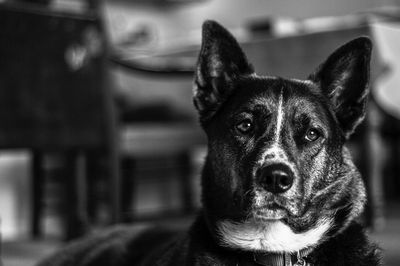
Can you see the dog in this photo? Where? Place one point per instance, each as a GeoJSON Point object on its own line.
{"type": "Point", "coordinates": [279, 186]}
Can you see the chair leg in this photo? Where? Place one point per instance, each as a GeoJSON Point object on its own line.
{"type": "Point", "coordinates": [128, 165]}
{"type": "Point", "coordinates": [92, 179]}
{"type": "Point", "coordinates": [76, 218]}
{"type": "Point", "coordinates": [114, 179]}
{"type": "Point", "coordinates": [37, 193]}
{"type": "Point", "coordinates": [185, 180]}
{"type": "Point", "coordinates": [103, 165]}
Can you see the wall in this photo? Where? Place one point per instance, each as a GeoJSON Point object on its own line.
{"type": "Point", "coordinates": [185, 20]}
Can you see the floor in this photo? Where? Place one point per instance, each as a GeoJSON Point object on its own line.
{"type": "Point", "coordinates": [26, 253]}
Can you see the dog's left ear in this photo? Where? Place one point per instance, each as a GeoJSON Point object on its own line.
{"type": "Point", "coordinates": [344, 78]}
{"type": "Point", "coordinates": [220, 61]}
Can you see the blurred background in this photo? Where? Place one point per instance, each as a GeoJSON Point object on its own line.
{"type": "Point", "coordinates": [97, 125]}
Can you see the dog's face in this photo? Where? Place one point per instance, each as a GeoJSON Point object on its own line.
{"type": "Point", "coordinates": [277, 175]}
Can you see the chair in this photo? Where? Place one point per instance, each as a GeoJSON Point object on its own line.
{"type": "Point", "coordinates": [55, 97]}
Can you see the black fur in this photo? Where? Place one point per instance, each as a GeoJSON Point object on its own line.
{"type": "Point", "coordinates": [253, 122]}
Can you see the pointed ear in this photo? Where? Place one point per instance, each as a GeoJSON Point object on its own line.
{"type": "Point", "coordinates": [220, 61]}
{"type": "Point", "coordinates": [344, 78]}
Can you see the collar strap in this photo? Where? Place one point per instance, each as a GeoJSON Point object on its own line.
{"type": "Point", "coordinates": [283, 259]}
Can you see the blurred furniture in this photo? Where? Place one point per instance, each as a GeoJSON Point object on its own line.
{"type": "Point", "coordinates": [159, 129]}
{"type": "Point", "coordinates": [159, 140]}
{"type": "Point", "coordinates": [55, 97]}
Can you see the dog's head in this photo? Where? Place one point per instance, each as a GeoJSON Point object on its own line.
{"type": "Point", "coordinates": [277, 176]}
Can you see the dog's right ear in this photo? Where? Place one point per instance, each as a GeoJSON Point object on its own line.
{"type": "Point", "coordinates": [220, 61]}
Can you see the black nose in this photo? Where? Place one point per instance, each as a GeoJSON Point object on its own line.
{"type": "Point", "coordinates": [276, 178]}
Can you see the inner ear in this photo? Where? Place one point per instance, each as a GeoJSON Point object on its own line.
{"type": "Point", "coordinates": [344, 79]}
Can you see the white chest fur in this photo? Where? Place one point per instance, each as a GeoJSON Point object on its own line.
{"type": "Point", "coordinates": [273, 236]}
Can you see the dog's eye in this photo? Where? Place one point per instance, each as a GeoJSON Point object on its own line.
{"type": "Point", "coordinates": [312, 135]}
{"type": "Point", "coordinates": [245, 126]}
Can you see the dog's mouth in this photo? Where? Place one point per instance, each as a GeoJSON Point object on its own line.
{"type": "Point", "coordinates": [270, 212]}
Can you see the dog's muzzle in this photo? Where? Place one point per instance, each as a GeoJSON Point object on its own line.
{"type": "Point", "coordinates": [275, 178]}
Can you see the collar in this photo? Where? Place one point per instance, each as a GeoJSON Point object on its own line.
{"type": "Point", "coordinates": [283, 259]}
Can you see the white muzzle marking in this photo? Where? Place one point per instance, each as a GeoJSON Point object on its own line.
{"type": "Point", "coordinates": [276, 151]}
{"type": "Point", "coordinates": [279, 118]}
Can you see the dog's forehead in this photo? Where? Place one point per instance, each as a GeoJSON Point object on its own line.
{"type": "Point", "coordinates": [303, 96]}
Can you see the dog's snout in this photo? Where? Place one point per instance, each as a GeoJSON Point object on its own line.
{"type": "Point", "coordinates": [276, 178]}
